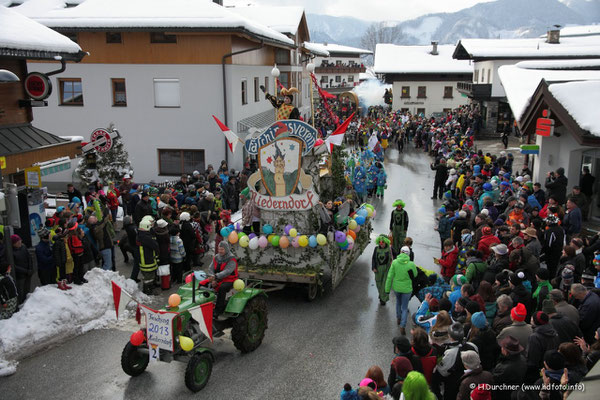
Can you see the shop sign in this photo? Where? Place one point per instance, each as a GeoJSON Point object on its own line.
{"type": "Point", "coordinates": [544, 126]}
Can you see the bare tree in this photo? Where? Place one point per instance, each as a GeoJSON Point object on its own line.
{"type": "Point", "coordinates": [379, 32]}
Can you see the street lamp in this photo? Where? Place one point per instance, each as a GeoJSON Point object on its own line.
{"type": "Point", "coordinates": [275, 74]}
{"type": "Point", "coordinates": [310, 67]}
{"type": "Point", "coordinates": [7, 76]}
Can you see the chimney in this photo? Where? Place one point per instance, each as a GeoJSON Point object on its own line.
{"type": "Point", "coordinates": [554, 35]}
{"type": "Point", "coordinates": [434, 50]}
{"type": "Point", "coordinates": [219, 2]}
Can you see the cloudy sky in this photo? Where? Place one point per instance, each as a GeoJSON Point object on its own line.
{"type": "Point", "coordinates": [373, 10]}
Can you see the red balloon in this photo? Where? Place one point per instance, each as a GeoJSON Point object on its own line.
{"type": "Point", "coordinates": [137, 338]}
{"type": "Point", "coordinates": [188, 278]}
{"type": "Point", "coordinates": [318, 142]}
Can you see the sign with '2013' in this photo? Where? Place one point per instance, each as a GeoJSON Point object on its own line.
{"type": "Point", "coordinates": [159, 328]}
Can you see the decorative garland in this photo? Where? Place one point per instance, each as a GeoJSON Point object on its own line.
{"type": "Point", "coordinates": [334, 117]}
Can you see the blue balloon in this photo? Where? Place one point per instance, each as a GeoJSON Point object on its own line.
{"type": "Point", "coordinates": [360, 220]}
{"type": "Point", "coordinates": [225, 232]}
{"type": "Point", "coordinates": [312, 241]}
{"type": "Point", "coordinates": [363, 213]}
{"type": "Point", "coordinates": [267, 229]}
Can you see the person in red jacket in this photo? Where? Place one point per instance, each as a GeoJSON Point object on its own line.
{"type": "Point", "coordinates": [487, 240]}
{"type": "Point", "coordinates": [76, 248]}
{"type": "Point", "coordinates": [449, 260]}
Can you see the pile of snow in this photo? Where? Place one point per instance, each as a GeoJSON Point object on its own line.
{"type": "Point", "coordinates": [50, 315]}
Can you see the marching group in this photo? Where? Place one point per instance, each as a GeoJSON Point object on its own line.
{"type": "Point", "coordinates": [516, 300]}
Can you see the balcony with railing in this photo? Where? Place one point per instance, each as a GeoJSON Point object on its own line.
{"type": "Point", "coordinates": [346, 69]}
{"type": "Point", "coordinates": [478, 91]}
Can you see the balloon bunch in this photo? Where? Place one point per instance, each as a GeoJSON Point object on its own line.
{"type": "Point", "coordinates": [289, 238]}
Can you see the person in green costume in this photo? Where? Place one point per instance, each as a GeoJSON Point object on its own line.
{"type": "Point", "coordinates": [398, 226]}
{"type": "Point", "coordinates": [380, 264]}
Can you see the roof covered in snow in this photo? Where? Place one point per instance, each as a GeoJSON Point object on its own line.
{"type": "Point", "coordinates": [333, 48]}
{"type": "Point", "coordinates": [198, 15]}
{"type": "Point", "coordinates": [281, 19]}
{"type": "Point", "coordinates": [318, 50]}
{"type": "Point", "coordinates": [18, 32]}
{"type": "Point", "coordinates": [587, 63]}
{"type": "Point", "coordinates": [578, 30]}
{"type": "Point", "coordinates": [520, 83]}
{"type": "Point", "coordinates": [394, 59]}
{"type": "Point", "coordinates": [581, 100]}
{"type": "Point", "coordinates": [569, 47]}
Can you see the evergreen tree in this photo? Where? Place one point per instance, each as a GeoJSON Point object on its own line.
{"type": "Point", "coordinates": [110, 166]}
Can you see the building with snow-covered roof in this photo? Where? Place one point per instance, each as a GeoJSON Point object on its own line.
{"type": "Point", "coordinates": [337, 67]}
{"type": "Point", "coordinates": [424, 78]}
{"type": "Point", "coordinates": [159, 69]}
{"type": "Point", "coordinates": [569, 98]}
{"type": "Point", "coordinates": [23, 145]}
{"type": "Point", "coordinates": [488, 55]}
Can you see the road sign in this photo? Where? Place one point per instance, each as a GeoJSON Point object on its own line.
{"type": "Point", "coordinates": [101, 141]}
{"type": "Point", "coordinates": [2, 162]}
{"type": "Point", "coordinates": [33, 177]}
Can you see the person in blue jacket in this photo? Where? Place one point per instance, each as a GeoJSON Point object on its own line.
{"type": "Point", "coordinates": [45, 260]}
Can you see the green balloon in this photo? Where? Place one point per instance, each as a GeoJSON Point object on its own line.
{"type": "Point", "coordinates": [275, 241]}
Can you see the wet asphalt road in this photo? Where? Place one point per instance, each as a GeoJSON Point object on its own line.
{"type": "Point", "coordinates": [310, 349]}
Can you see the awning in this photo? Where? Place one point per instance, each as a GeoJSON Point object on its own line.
{"type": "Point", "coordinates": [258, 121]}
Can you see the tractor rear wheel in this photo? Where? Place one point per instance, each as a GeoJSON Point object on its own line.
{"type": "Point", "coordinates": [198, 371]}
{"type": "Point", "coordinates": [249, 327]}
{"type": "Point", "coordinates": [133, 361]}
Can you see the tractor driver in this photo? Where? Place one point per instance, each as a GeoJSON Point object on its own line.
{"type": "Point", "coordinates": [225, 270]}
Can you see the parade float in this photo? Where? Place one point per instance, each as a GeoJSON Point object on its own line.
{"type": "Point", "coordinates": [295, 168]}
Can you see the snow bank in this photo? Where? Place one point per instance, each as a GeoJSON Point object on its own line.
{"type": "Point", "coordinates": [50, 315]}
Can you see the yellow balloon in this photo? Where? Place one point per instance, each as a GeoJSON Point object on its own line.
{"type": "Point", "coordinates": [369, 212]}
{"type": "Point", "coordinates": [186, 343]}
{"type": "Point", "coordinates": [239, 285]}
{"type": "Point", "coordinates": [321, 239]}
{"type": "Point", "coordinates": [293, 232]}
{"type": "Point", "coordinates": [233, 237]}
{"type": "Point", "coordinates": [352, 224]}
{"type": "Point", "coordinates": [303, 241]}
{"type": "Point", "coordinates": [174, 300]}
{"type": "Point", "coordinates": [244, 241]}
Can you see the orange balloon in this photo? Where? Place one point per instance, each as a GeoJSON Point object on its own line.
{"type": "Point", "coordinates": [352, 234]}
{"type": "Point", "coordinates": [174, 300]}
{"type": "Point", "coordinates": [284, 242]}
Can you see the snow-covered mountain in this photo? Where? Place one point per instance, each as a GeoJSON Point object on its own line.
{"type": "Point", "coordinates": [498, 19]}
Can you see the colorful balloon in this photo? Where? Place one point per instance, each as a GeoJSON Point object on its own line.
{"type": "Point", "coordinates": [225, 232]}
{"type": "Point", "coordinates": [352, 224]}
{"type": "Point", "coordinates": [284, 242]}
{"type": "Point", "coordinates": [357, 229]}
{"type": "Point", "coordinates": [253, 243]}
{"type": "Point", "coordinates": [239, 285]}
{"type": "Point", "coordinates": [241, 235]}
{"type": "Point", "coordinates": [186, 343]}
{"type": "Point", "coordinates": [188, 278]}
{"type": "Point", "coordinates": [263, 242]}
{"type": "Point", "coordinates": [319, 142]}
{"type": "Point", "coordinates": [370, 212]}
{"type": "Point", "coordinates": [340, 236]}
{"type": "Point", "coordinates": [287, 228]}
{"type": "Point", "coordinates": [267, 229]}
{"type": "Point", "coordinates": [244, 241]}
{"type": "Point", "coordinates": [174, 300]}
{"type": "Point", "coordinates": [274, 240]}
{"type": "Point", "coordinates": [303, 241]}
{"type": "Point", "coordinates": [321, 239]}
{"type": "Point", "coordinates": [295, 243]}
{"type": "Point", "coordinates": [137, 338]}
{"type": "Point", "coordinates": [233, 237]}
{"type": "Point", "coordinates": [352, 234]}
{"type": "Point", "coordinates": [360, 220]}
{"type": "Point", "coordinates": [293, 232]}
{"type": "Point", "coordinates": [312, 241]}
{"type": "Point", "coordinates": [252, 236]}
{"type": "Point", "coordinates": [374, 214]}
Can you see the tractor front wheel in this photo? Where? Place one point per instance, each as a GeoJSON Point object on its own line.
{"type": "Point", "coordinates": [133, 362]}
{"type": "Point", "coordinates": [198, 371]}
{"type": "Point", "coordinates": [249, 327]}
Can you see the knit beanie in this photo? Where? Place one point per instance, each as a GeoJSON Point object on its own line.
{"type": "Point", "coordinates": [517, 278]}
{"type": "Point", "coordinates": [459, 280]}
{"type": "Point", "coordinates": [445, 304]}
{"type": "Point", "coordinates": [518, 313]}
{"type": "Point", "coordinates": [473, 307]}
{"type": "Point", "coordinates": [502, 277]}
{"type": "Point", "coordinates": [543, 274]}
{"type": "Point", "coordinates": [554, 360]}
{"type": "Point", "coordinates": [540, 318]}
{"type": "Point", "coordinates": [479, 320]}
{"type": "Point", "coordinates": [548, 307]}
{"type": "Point", "coordinates": [479, 393]}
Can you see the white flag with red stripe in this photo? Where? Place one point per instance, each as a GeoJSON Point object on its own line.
{"type": "Point", "coordinates": [121, 298]}
{"type": "Point", "coordinates": [232, 138]}
{"type": "Point", "coordinates": [204, 316]}
{"type": "Point", "coordinates": [337, 137]}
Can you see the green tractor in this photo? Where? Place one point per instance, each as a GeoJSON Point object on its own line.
{"type": "Point", "coordinates": [183, 331]}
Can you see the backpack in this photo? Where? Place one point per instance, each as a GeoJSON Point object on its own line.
{"type": "Point", "coordinates": [478, 277]}
{"type": "Point", "coordinates": [428, 362]}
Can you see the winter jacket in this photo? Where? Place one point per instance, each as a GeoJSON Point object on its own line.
{"type": "Point", "coordinates": [441, 173]}
{"type": "Point", "coordinates": [535, 247]}
{"type": "Point", "coordinates": [589, 315]}
{"type": "Point", "coordinates": [565, 328]}
{"type": "Point", "coordinates": [490, 311]}
{"type": "Point", "coordinates": [23, 264]}
{"type": "Point", "coordinates": [509, 370]}
{"type": "Point", "coordinates": [572, 221]}
{"type": "Point", "coordinates": [164, 243]}
{"type": "Point", "coordinates": [428, 357]}
{"type": "Point", "coordinates": [177, 253]}
{"type": "Point", "coordinates": [554, 239]}
{"type": "Point", "coordinates": [448, 262]}
{"type": "Point", "coordinates": [101, 233]}
{"type": "Point", "coordinates": [557, 187]}
{"type": "Point", "coordinates": [541, 293]}
{"type": "Point", "coordinates": [43, 254]}
{"type": "Point", "coordinates": [89, 251]}
{"type": "Point", "coordinates": [59, 251]}
{"type": "Point", "coordinates": [568, 311]}
{"type": "Point", "coordinates": [451, 369]}
{"type": "Point", "coordinates": [520, 294]}
{"type": "Point", "coordinates": [501, 321]}
{"type": "Point", "coordinates": [475, 271]}
{"type": "Point", "coordinates": [142, 208]}
{"type": "Point", "coordinates": [544, 338]}
{"type": "Point", "coordinates": [528, 263]}
{"type": "Point", "coordinates": [470, 380]}
{"type": "Point", "coordinates": [484, 244]}
{"type": "Point", "coordinates": [399, 275]}
{"type": "Point", "coordinates": [485, 340]}
{"type": "Point", "coordinates": [424, 318]}
{"type": "Point", "coordinates": [457, 226]}
{"type": "Point", "coordinates": [147, 242]}
{"type": "Point", "coordinates": [444, 227]}
{"type": "Point", "coordinates": [188, 236]}
{"type": "Point", "coordinates": [520, 330]}
{"type": "Point", "coordinates": [496, 265]}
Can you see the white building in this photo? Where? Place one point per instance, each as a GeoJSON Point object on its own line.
{"type": "Point", "coordinates": [423, 78]}
{"type": "Point", "coordinates": [341, 69]}
{"type": "Point", "coordinates": [488, 55]}
{"type": "Point", "coordinates": [570, 90]}
{"type": "Point", "coordinates": [159, 71]}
